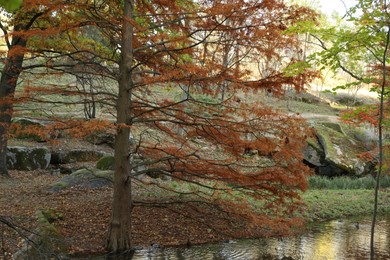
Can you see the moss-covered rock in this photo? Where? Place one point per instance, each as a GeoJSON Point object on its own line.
{"type": "Point", "coordinates": [28, 158]}
{"type": "Point", "coordinates": [46, 242]}
{"type": "Point", "coordinates": [339, 151]}
{"type": "Point", "coordinates": [105, 163]}
{"type": "Point", "coordinates": [51, 215]}
{"type": "Point", "coordinates": [335, 126]}
{"type": "Point", "coordinates": [64, 157]}
{"type": "Point", "coordinates": [84, 178]}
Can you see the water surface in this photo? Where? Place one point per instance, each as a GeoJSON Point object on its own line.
{"type": "Point", "coordinates": [339, 239]}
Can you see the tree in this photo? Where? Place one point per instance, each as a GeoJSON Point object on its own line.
{"type": "Point", "coordinates": [18, 28]}
{"type": "Point", "coordinates": [37, 29]}
{"type": "Point", "coordinates": [119, 236]}
{"type": "Point", "coordinates": [23, 20]}
{"type": "Point", "coordinates": [365, 41]}
{"type": "Point", "coordinates": [155, 49]}
{"type": "Point", "coordinates": [10, 6]}
{"type": "Point", "coordinates": [165, 45]}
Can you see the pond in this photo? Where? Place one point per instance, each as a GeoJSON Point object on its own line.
{"type": "Point", "coordinates": [339, 239]}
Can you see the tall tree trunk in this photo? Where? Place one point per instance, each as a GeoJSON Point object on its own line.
{"type": "Point", "coordinates": [9, 77]}
{"type": "Point", "coordinates": [119, 230]}
{"type": "Point", "coordinates": [380, 144]}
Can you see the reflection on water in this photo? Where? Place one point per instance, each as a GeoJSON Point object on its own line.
{"type": "Point", "coordinates": [332, 240]}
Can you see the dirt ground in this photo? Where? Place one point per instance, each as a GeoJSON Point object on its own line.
{"type": "Point", "coordinates": [85, 215]}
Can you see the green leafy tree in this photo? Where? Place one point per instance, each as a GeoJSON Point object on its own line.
{"type": "Point", "coordinates": [361, 49]}
{"type": "Point", "coordinates": [10, 5]}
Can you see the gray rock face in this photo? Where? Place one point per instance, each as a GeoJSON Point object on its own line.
{"type": "Point", "coordinates": [314, 156]}
{"type": "Point", "coordinates": [64, 157]}
{"type": "Point", "coordinates": [335, 151]}
{"type": "Point", "coordinates": [101, 138]}
{"type": "Point", "coordinates": [28, 158]}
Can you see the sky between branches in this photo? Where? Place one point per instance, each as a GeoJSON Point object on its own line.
{"type": "Point", "coordinates": [329, 6]}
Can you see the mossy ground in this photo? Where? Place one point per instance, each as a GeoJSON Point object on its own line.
{"type": "Point", "coordinates": [333, 204]}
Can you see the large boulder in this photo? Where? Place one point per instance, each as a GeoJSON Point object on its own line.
{"type": "Point", "coordinates": [72, 156]}
{"type": "Point", "coordinates": [99, 138]}
{"type": "Point", "coordinates": [139, 171]}
{"type": "Point", "coordinates": [105, 163]}
{"type": "Point", "coordinates": [105, 138]}
{"type": "Point", "coordinates": [335, 150]}
{"type": "Point", "coordinates": [28, 158]}
{"type": "Point", "coordinates": [84, 178]}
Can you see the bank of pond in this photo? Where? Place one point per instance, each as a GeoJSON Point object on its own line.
{"type": "Point", "coordinates": [336, 239]}
{"type": "Point", "coordinates": [333, 231]}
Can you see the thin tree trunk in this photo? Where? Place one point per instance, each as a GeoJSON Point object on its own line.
{"type": "Point", "coordinates": [380, 168]}
{"type": "Point", "coordinates": [8, 81]}
{"type": "Point", "coordinates": [119, 230]}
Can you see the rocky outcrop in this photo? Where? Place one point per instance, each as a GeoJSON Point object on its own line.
{"type": "Point", "coordinates": [335, 150]}
{"type": "Point", "coordinates": [100, 138]}
{"type": "Point", "coordinates": [28, 158]}
{"type": "Point", "coordinates": [64, 157]}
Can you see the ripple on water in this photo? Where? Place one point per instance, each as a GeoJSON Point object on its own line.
{"type": "Point", "coordinates": [347, 239]}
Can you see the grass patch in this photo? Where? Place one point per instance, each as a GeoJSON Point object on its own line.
{"type": "Point", "coordinates": [320, 204]}
{"type": "Point", "coordinates": [332, 204]}
{"type": "Point", "coordinates": [347, 183]}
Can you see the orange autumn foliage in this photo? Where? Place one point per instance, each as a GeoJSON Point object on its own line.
{"type": "Point", "coordinates": [193, 108]}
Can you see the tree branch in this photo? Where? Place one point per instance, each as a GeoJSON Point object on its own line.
{"type": "Point", "coordinates": [6, 36]}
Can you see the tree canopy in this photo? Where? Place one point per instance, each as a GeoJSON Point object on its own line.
{"type": "Point", "coordinates": [180, 92]}
{"type": "Point", "coordinates": [10, 5]}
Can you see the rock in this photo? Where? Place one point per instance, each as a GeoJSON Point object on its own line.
{"type": "Point", "coordinates": [57, 157]}
{"type": "Point", "coordinates": [303, 97]}
{"type": "Point", "coordinates": [335, 151]}
{"type": "Point", "coordinates": [313, 155]}
{"type": "Point", "coordinates": [46, 241]}
{"type": "Point", "coordinates": [100, 138]}
{"type": "Point", "coordinates": [367, 136]}
{"type": "Point", "coordinates": [64, 157]}
{"type": "Point", "coordinates": [70, 168]}
{"type": "Point", "coordinates": [335, 126]}
{"type": "Point", "coordinates": [105, 163]}
{"type": "Point", "coordinates": [28, 158]}
{"type": "Point", "coordinates": [84, 178]}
